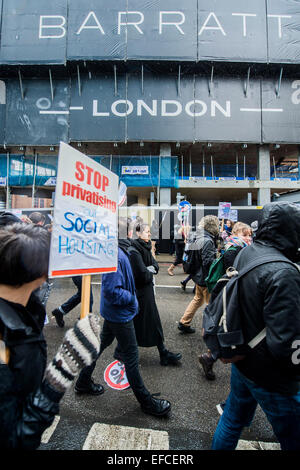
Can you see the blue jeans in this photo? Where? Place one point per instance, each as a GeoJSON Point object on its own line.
{"type": "Point", "coordinates": [283, 413]}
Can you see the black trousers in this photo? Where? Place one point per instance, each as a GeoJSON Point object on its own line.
{"type": "Point", "coordinates": [75, 300]}
{"type": "Point", "coordinates": [179, 250]}
{"type": "Point", "coordinates": [125, 335]}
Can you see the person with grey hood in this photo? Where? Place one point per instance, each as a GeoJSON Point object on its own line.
{"type": "Point", "coordinates": [269, 297]}
{"type": "Point", "coordinates": [204, 253]}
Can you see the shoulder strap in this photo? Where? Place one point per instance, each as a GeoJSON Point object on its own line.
{"type": "Point", "coordinates": [263, 260]}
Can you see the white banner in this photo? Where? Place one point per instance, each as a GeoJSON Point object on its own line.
{"type": "Point", "coordinates": [135, 170]}
{"type": "Point", "coordinates": [85, 230]}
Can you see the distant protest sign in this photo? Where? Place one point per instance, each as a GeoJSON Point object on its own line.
{"type": "Point", "coordinates": [224, 210]}
{"type": "Point", "coordinates": [85, 230]}
{"type": "Point", "coordinates": [233, 215]}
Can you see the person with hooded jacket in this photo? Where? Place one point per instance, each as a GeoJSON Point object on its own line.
{"type": "Point", "coordinates": [269, 375]}
{"type": "Point", "coordinates": [204, 254]}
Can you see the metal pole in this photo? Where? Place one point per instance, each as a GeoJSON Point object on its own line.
{"type": "Point", "coordinates": [182, 167]}
{"type": "Point", "coordinates": [244, 167]}
{"type": "Point", "coordinates": [115, 75]}
{"type": "Point", "coordinates": [79, 82]}
{"type": "Point", "coordinates": [158, 186]}
{"type": "Point", "coordinates": [33, 185]}
{"type": "Point", "coordinates": [7, 180]}
{"type": "Point", "coordinates": [203, 164]}
{"type": "Point", "coordinates": [190, 163]}
{"type": "Point", "coordinates": [274, 168]}
{"type": "Point", "coordinates": [212, 166]}
{"type": "Point", "coordinates": [237, 165]}
{"type": "Point", "coordinates": [21, 84]}
{"type": "Point", "coordinates": [51, 84]}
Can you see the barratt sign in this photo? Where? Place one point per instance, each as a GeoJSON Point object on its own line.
{"type": "Point", "coordinates": [236, 30]}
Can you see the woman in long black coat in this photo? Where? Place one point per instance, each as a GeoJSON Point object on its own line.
{"type": "Point", "coordinates": [148, 327]}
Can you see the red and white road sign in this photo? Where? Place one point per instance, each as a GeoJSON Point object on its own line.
{"type": "Point", "coordinates": [115, 376]}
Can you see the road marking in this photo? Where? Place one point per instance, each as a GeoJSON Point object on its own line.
{"type": "Point", "coordinates": [112, 437]}
{"type": "Point", "coordinates": [257, 445]}
{"type": "Point", "coordinates": [46, 436]}
{"type": "Point", "coordinates": [160, 285]}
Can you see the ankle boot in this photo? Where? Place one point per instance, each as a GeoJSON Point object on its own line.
{"type": "Point", "coordinates": [156, 406]}
{"type": "Point", "coordinates": [207, 363]}
{"type": "Point", "coordinates": [171, 269]}
{"type": "Point", "coordinates": [167, 358]}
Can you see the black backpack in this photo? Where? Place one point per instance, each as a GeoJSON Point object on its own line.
{"type": "Point", "coordinates": [222, 322]}
{"type": "Point", "coordinates": [190, 264]}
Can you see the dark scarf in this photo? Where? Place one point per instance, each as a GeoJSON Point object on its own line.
{"type": "Point", "coordinates": [144, 248]}
{"type": "Point", "coordinates": [124, 244]}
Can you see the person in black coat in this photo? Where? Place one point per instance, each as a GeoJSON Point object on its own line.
{"type": "Point", "coordinates": [29, 392]}
{"type": "Point", "coordinates": [148, 327]}
{"type": "Point", "coordinates": [269, 374]}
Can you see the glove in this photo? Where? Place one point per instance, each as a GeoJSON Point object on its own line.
{"type": "Point", "coordinates": [151, 269]}
{"type": "Point", "coordinates": [80, 347]}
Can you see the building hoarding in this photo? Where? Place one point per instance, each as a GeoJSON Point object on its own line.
{"type": "Point", "coordinates": [98, 110]}
{"type": "Point", "coordinates": [163, 30]}
{"type": "Point", "coordinates": [93, 31]}
{"type": "Point", "coordinates": [34, 118]}
{"type": "Point", "coordinates": [235, 29]}
{"type": "Point", "coordinates": [157, 108]}
{"type": "Point", "coordinates": [43, 32]}
{"type": "Point", "coordinates": [283, 31]}
{"type": "Point", "coordinates": [33, 32]}
{"type": "Point", "coordinates": [281, 111]}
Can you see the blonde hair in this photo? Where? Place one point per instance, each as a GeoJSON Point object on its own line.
{"type": "Point", "coordinates": [210, 223]}
{"type": "Point", "coordinates": [241, 227]}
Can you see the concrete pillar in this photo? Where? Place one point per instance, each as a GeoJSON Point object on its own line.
{"type": "Point", "coordinates": [263, 194]}
{"type": "Point", "coordinates": [165, 196]}
{"type": "Point", "coordinates": [165, 150]}
{"type": "Point", "coordinates": [164, 193]}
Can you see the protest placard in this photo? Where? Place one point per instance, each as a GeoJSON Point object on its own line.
{"type": "Point", "coordinates": [224, 210]}
{"type": "Point", "coordinates": [233, 215]}
{"type": "Point", "coordinates": [85, 230]}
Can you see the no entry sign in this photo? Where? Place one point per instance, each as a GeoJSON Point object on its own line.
{"type": "Point", "coordinates": [115, 376]}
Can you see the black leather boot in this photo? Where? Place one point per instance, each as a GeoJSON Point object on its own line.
{"type": "Point", "coordinates": [156, 406]}
{"type": "Point", "coordinates": [169, 358]}
{"type": "Point", "coordinates": [89, 389]}
{"type": "Point", "coordinates": [186, 329]}
{"type": "Point", "coordinates": [207, 363]}
{"type": "Point", "coordinates": [58, 315]}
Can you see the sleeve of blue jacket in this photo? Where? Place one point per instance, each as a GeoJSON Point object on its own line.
{"type": "Point", "coordinates": [112, 289]}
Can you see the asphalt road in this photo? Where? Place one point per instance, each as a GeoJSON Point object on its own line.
{"type": "Point", "coordinates": [194, 416]}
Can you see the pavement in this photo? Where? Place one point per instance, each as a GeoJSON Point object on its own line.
{"type": "Point", "coordinates": [194, 416]}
